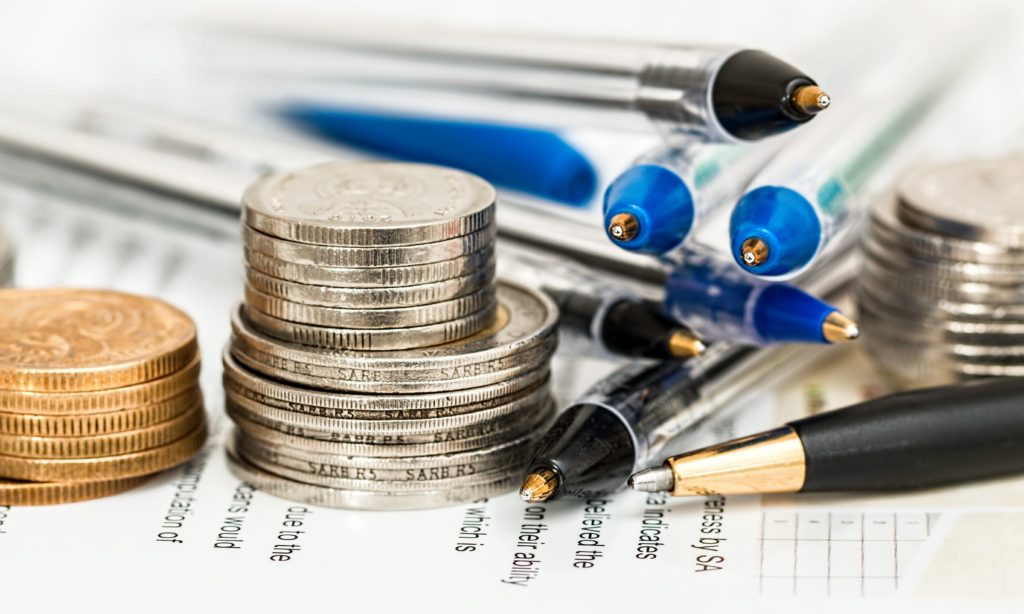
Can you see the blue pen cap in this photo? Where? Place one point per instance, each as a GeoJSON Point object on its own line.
{"type": "Point", "coordinates": [786, 314]}
{"type": "Point", "coordinates": [530, 160]}
{"type": "Point", "coordinates": [784, 220]}
{"type": "Point", "coordinates": [659, 200]}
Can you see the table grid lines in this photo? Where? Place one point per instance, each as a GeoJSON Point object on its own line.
{"type": "Point", "coordinates": [837, 553]}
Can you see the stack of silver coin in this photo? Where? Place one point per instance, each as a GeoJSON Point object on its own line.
{"type": "Point", "coordinates": [6, 262]}
{"type": "Point", "coordinates": [376, 362]}
{"type": "Point", "coordinates": [942, 292]}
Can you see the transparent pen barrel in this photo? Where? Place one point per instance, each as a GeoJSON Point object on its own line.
{"type": "Point", "coordinates": [831, 163]}
{"type": "Point", "coordinates": [532, 79]}
{"type": "Point", "coordinates": [715, 175]}
{"type": "Point", "coordinates": [713, 297]}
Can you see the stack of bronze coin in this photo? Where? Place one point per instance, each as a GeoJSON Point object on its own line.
{"type": "Point", "coordinates": [376, 363]}
{"type": "Point", "coordinates": [98, 391]}
{"type": "Point", "coordinates": [942, 293]}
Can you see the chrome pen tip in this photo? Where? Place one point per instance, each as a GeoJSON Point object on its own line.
{"type": "Point", "coordinates": [754, 251]}
{"type": "Point", "coordinates": [540, 485]}
{"type": "Point", "coordinates": [654, 479]}
{"type": "Point", "coordinates": [838, 328]}
{"type": "Point", "coordinates": [624, 227]}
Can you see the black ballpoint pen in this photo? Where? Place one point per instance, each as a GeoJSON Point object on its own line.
{"type": "Point", "coordinates": [914, 439]}
{"type": "Point", "coordinates": [602, 309]}
{"type": "Point", "coordinates": [692, 92]}
{"type": "Point", "coordinates": [623, 421]}
{"type": "Point", "coordinates": [625, 324]}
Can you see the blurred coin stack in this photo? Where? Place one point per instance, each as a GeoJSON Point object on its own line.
{"type": "Point", "coordinates": [98, 390]}
{"type": "Point", "coordinates": [942, 293]}
{"type": "Point", "coordinates": [6, 262]}
{"type": "Point", "coordinates": [376, 362]}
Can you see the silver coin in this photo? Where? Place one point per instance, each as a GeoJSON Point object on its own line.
{"type": "Point", "coordinates": [986, 332]}
{"type": "Point", "coordinates": [270, 449]}
{"type": "Point", "coordinates": [882, 329]}
{"type": "Point", "coordinates": [903, 314]}
{"type": "Point", "coordinates": [886, 331]}
{"type": "Point", "coordinates": [980, 200]}
{"type": "Point", "coordinates": [909, 365]}
{"type": "Point", "coordinates": [301, 474]}
{"type": "Point", "coordinates": [1010, 354]}
{"type": "Point", "coordinates": [368, 379]}
{"type": "Point", "coordinates": [378, 339]}
{"type": "Point", "coordinates": [387, 473]}
{"type": "Point", "coordinates": [374, 406]}
{"type": "Point", "coordinates": [363, 500]}
{"type": "Point", "coordinates": [951, 309]}
{"type": "Point", "coordinates": [358, 257]}
{"type": "Point", "coordinates": [390, 317]}
{"type": "Point", "coordinates": [498, 419]}
{"type": "Point", "coordinates": [929, 245]}
{"type": "Point", "coordinates": [496, 428]}
{"type": "Point", "coordinates": [884, 252]}
{"type": "Point", "coordinates": [526, 319]}
{"type": "Point", "coordinates": [940, 288]}
{"type": "Point", "coordinates": [933, 316]}
{"type": "Point", "coordinates": [989, 370]}
{"type": "Point", "coordinates": [372, 277]}
{"type": "Point", "coordinates": [878, 321]}
{"type": "Point", "coordinates": [386, 445]}
{"type": "Point", "coordinates": [323, 477]}
{"type": "Point", "coordinates": [372, 203]}
{"type": "Point", "coordinates": [370, 298]}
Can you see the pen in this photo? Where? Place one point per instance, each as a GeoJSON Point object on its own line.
{"type": "Point", "coordinates": [612, 430]}
{"type": "Point", "coordinates": [625, 324]}
{"type": "Point", "coordinates": [654, 205]}
{"type": "Point", "coordinates": [722, 303]}
{"type": "Point", "coordinates": [914, 439]}
{"type": "Point", "coordinates": [812, 190]}
{"type": "Point", "coordinates": [529, 160]}
{"type": "Point", "coordinates": [704, 93]}
{"type": "Point", "coordinates": [601, 309]}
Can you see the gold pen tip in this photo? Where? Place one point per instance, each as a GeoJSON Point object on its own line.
{"type": "Point", "coordinates": [754, 251]}
{"type": "Point", "coordinates": [682, 344]}
{"type": "Point", "coordinates": [623, 227]}
{"type": "Point", "coordinates": [838, 328]}
{"type": "Point", "coordinates": [811, 99]}
{"type": "Point", "coordinates": [540, 485]}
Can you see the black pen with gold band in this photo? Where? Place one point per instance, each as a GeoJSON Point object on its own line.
{"type": "Point", "coordinates": [914, 439]}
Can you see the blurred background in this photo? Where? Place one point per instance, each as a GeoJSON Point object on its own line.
{"type": "Point", "coordinates": [185, 59]}
{"type": "Point", "coordinates": [91, 66]}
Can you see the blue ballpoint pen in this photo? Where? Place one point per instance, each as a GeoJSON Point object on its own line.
{"type": "Point", "coordinates": [528, 160]}
{"type": "Point", "coordinates": [653, 207]}
{"type": "Point", "coordinates": [722, 303]}
{"type": "Point", "coordinates": [814, 188]}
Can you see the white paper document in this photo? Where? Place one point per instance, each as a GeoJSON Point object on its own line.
{"type": "Point", "coordinates": [198, 539]}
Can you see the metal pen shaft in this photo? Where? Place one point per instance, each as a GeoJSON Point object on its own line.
{"type": "Point", "coordinates": [708, 93]}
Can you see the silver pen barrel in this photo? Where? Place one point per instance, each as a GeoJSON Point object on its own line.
{"type": "Point", "coordinates": [668, 86]}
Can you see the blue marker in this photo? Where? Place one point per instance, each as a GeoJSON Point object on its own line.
{"type": "Point", "coordinates": [529, 160]}
{"type": "Point", "coordinates": [653, 207]}
{"type": "Point", "coordinates": [722, 303]}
